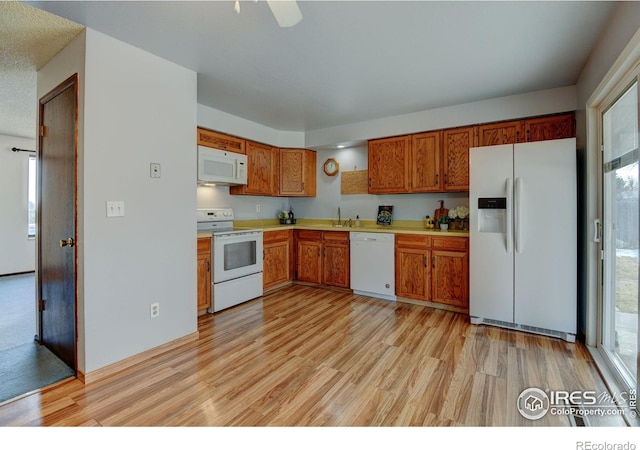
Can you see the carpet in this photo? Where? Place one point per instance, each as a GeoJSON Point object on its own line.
{"type": "Point", "coordinates": [24, 364]}
{"type": "Point", "coordinates": [29, 367]}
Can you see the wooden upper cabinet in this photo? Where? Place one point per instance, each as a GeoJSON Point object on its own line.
{"type": "Point", "coordinates": [425, 162]}
{"type": "Point", "coordinates": [389, 165]}
{"type": "Point", "coordinates": [500, 133]}
{"type": "Point", "coordinates": [297, 176]}
{"type": "Point", "coordinates": [456, 143]}
{"type": "Point", "coordinates": [213, 139]}
{"type": "Point", "coordinates": [551, 127]}
{"type": "Point", "coordinates": [262, 171]}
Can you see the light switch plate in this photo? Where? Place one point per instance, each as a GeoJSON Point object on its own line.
{"type": "Point", "coordinates": [115, 208]}
{"type": "Point", "coordinates": [155, 170]}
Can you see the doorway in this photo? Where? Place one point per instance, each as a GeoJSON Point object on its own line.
{"type": "Point", "coordinates": [56, 218]}
{"type": "Point", "coordinates": [621, 231]}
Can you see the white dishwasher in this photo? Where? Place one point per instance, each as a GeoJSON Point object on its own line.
{"type": "Point", "coordinates": [373, 264]}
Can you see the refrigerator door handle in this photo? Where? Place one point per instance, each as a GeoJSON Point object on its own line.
{"type": "Point", "coordinates": [508, 237]}
{"type": "Point", "coordinates": [518, 221]}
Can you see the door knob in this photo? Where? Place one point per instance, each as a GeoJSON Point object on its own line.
{"type": "Point", "coordinates": [67, 242]}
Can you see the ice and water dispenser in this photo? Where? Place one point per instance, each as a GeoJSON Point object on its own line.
{"type": "Point", "coordinates": [492, 215]}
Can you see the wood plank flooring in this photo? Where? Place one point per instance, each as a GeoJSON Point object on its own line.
{"type": "Point", "coordinates": [306, 356]}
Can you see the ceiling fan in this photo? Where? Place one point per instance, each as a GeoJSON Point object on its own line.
{"type": "Point", "coordinates": [286, 12]}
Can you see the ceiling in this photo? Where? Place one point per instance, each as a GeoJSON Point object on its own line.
{"type": "Point", "coordinates": [29, 38]}
{"type": "Point", "coordinates": [348, 62]}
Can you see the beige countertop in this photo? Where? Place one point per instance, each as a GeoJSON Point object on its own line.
{"type": "Point", "coordinates": [400, 226]}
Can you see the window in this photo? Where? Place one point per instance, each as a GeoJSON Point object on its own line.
{"type": "Point", "coordinates": [620, 204]}
{"type": "Point", "coordinates": [32, 196]}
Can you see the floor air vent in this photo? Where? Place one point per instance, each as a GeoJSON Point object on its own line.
{"type": "Point", "coordinates": [514, 326]}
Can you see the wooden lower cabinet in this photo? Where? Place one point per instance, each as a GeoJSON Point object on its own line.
{"type": "Point", "coordinates": [204, 273]}
{"type": "Point", "coordinates": [335, 259]}
{"type": "Point", "coordinates": [323, 257]}
{"type": "Point", "coordinates": [449, 272]}
{"type": "Point", "coordinates": [433, 268]}
{"type": "Point", "coordinates": [413, 274]}
{"type": "Point", "coordinates": [277, 257]}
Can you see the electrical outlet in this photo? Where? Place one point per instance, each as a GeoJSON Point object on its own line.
{"type": "Point", "coordinates": [155, 310]}
{"type": "Point", "coordinates": [258, 208]}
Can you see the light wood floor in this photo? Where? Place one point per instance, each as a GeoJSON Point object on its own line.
{"type": "Point", "coordinates": [305, 356]}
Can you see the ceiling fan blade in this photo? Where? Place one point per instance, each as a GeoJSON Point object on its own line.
{"type": "Point", "coordinates": [286, 12]}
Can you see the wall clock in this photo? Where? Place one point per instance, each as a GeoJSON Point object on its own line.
{"type": "Point", "coordinates": [331, 167]}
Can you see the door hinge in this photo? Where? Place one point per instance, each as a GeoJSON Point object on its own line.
{"type": "Point", "coordinates": [43, 131]}
{"type": "Point", "coordinates": [41, 305]}
{"type": "Point", "coordinates": [602, 255]}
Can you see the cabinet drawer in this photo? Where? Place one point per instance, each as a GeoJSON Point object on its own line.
{"type": "Point", "coordinates": [309, 235]}
{"type": "Point", "coordinates": [204, 245]}
{"type": "Point", "coordinates": [276, 236]}
{"type": "Point", "coordinates": [342, 236]}
{"type": "Point", "coordinates": [450, 243]}
{"type": "Point", "coordinates": [417, 241]}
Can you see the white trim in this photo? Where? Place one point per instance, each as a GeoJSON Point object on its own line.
{"type": "Point", "coordinates": [626, 63]}
{"type": "Point", "coordinates": [611, 382]}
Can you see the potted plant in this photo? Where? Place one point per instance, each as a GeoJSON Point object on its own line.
{"type": "Point", "coordinates": [284, 217]}
{"type": "Point", "coordinates": [444, 222]}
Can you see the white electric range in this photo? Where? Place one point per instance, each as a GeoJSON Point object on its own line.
{"type": "Point", "coordinates": [236, 257]}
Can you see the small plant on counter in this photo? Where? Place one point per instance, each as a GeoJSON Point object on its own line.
{"type": "Point", "coordinates": [284, 217]}
{"type": "Point", "coordinates": [444, 219]}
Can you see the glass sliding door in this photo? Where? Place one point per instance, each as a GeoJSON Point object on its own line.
{"type": "Point", "coordinates": [620, 202]}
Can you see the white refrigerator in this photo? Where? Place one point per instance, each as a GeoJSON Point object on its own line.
{"type": "Point", "coordinates": [523, 237]}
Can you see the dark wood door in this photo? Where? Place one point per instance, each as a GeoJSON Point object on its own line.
{"type": "Point", "coordinates": [57, 220]}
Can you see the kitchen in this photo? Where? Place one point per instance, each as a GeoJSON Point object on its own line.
{"type": "Point", "coordinates": [152, 198]}
{"type": "Point", "coordinates": [424, 266]}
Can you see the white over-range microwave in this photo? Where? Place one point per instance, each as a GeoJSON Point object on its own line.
{"type": "Point", "coordinates": [221, 167]}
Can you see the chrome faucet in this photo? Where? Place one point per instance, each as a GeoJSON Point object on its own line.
{"type": "Point", "coordinates": [339, 222]}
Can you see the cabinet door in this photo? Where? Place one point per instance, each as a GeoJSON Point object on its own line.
{"type": "Point", "coordinates": [552, 127]}
{"type": "Point", "coordinates": [335, 264]}
{"type": "Point", "coordinates": [276, 263]}
{"type": "Point", "coordinates": [389, 165]}
{"type": "Point", "coordinates": [412, 273]}
{"type": "Point", "coordinates": [456, 144]}
{"type": "Point", "coordinates": [308, 263]}
{"type": "Point", "coordinates": [450, 277]}
{"type": "Point", "coordinates": [204, 273]}
{"type": "Point", "coordinates": [425, 162]}
{"type": "Point", "coordinates": [262, 165]}
{"type": "Point", "coordinates": [213, 139]}
{"type": "Point", "coordinates": [297, 173]}
{"type": "Point", "coordinates": [500, 133]}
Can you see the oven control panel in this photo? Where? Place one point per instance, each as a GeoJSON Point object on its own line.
{"type": "Point", "coordinates": [215, 214]}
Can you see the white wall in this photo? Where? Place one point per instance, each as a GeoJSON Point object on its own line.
{"type": "Point", "coordinates": [223, 122]}
{"type": "Point", "coordinates": [329, 198]}
{"type": "Point", "coordinates": [139, 109]}
{"type": "Point", "coordinates": [16, 248]}
{"type": "Point", "coordinates": [493, 110]}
